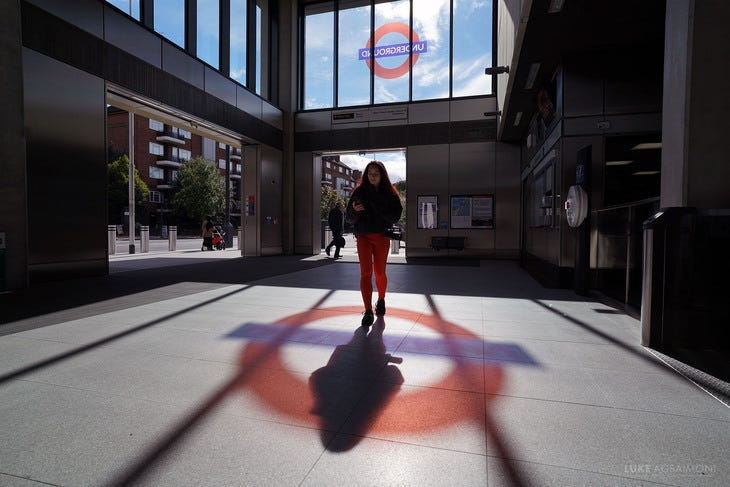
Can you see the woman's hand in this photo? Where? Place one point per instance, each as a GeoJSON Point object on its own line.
{"type": "Point", "coordinates": [358, 207]}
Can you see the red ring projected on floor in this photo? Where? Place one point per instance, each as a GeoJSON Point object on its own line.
{"type": "Point", "coordinates": [359, 391]}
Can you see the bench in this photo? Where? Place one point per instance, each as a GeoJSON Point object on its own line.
{"type": "Point", "coordinates": [455, 243]}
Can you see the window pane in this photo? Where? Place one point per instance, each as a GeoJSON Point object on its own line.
{"type": "Point", "coordinates": [353, 75]}
{"type": "Point", "coordinates": [431, 70]}
{"type": "Point", "coordinates": [130, 7]}
{"type": "Point", "coordinates": [208, 31]}
{"type": "Point", "coordinates": [472, 48]}
{"type": "Point", "coordinates": [238, 40]}
{"type": "Point", "coordinates": [319, 38]}
{"type": "Point", "coordinates": [391, 64]}
{"type": "Point", "coordinates": [170, 20]}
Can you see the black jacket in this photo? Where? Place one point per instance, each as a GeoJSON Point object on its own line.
{"type": "Point", "coordinates": [382, 209]}
{"type": "Point", "coordinates": [335, 220]}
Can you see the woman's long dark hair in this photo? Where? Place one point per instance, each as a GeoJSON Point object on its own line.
{"type": "Point", "coordinates": [385, 184]}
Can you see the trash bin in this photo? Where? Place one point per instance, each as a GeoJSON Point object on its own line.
{"type": "Point", "coordinates": [163, 232]}
{"type": "Point", "coordinates": [144, 238]}
{"type": "Point", "coordinates": [111, 237]}
{"type": "Point", "coordinates": [172, 237]}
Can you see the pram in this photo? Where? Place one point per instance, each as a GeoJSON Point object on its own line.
{"type": "Point", "coordinates": [219, 242]}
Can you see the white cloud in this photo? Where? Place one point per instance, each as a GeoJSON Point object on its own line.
{"type": "Point", "coordinates": [394, 162]}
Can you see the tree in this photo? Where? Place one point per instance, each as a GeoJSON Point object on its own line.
{"type": "Point", "coordinates": [118, 188]}
{"type": "Point", "coordinates": [329, 201]}
{"type": "Point", "coordinates": [401, 187]}
{"type": "Point", "coordinates": [199, 189]}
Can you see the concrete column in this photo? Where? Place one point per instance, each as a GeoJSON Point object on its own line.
{"type": "Point", "coordinates": [696, 105]}
{"type": "Point", "coordinates": [13, 208]}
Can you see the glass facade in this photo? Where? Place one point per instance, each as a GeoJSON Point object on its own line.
{"type": "Point", "coordinates": [130, 7]}
{"type": "Point", "coordinates": [238, 41]}
{"type": "Point", "coordinates": [396, 51]}
{"type": "Point", "coordinates": [208, 35]}
{"type": "Point", "coordinates": [170, 20]}
{"type": "Point", "coordinates": [319, 35]}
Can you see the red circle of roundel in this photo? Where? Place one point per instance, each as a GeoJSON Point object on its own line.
{"type": "Point", "coordinates": [289, 394]}
{"type": "Point", "coordinates": [398, 28]}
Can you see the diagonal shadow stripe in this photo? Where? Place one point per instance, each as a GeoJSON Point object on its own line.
{"type": "Point", "coordinates": [514, 476]}
{"type": "Point", "coordinates": [159, 450]}
{"type": "Point", "coordinates": [77, 351]}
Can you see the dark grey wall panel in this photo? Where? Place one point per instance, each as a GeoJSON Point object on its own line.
{"type": "Point", "coordinates": [64, 119]}
{"type": "Point", "coordinates": [128, 35]}
{"type": "Point", "coordinates": [179, 64]}
{"type": "Point", "coordinates": [86, 14]}
{"type": "Point", "coordinates": [397, 136]}
{"type": "Point", "coordinates": [220, 86]}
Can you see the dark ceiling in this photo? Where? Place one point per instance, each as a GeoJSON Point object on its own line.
{"type": "Point", "coordinates": [581, 28]}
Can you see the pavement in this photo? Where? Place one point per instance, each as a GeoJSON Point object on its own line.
{"type": "Point", "coordinates": [194, 368]}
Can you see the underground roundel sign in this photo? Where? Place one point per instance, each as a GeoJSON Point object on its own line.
{"type": "Point", "coordinates": [576, 206]}
{"type": "Point", "coordinates": [396, 43]}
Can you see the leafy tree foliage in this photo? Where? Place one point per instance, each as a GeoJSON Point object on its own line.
{"type": "Point", "coordinates": [118, 188]}
{"type": "Point", "coordinates": [199, 189]}
{"type": "Point", "coordinates": [329, 201]}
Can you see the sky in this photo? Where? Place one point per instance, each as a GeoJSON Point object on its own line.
{"type": "Point", "coordinates": [394, 162]}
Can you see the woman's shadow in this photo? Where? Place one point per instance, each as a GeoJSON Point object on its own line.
{"type": "Point", "coordinates": [359, 378]}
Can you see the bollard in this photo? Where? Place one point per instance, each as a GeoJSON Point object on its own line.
{"type": "Point", "coordinates": [163, 232]}
{"type": "Point", "coordinates": [111, 238]}
{"type": "Point", "coordinates": [172, 237]}
{"type": "Point", "coordinates": [394, 246]}
{"type": "Point", "coordinates": [327, 236]}
{"type": "Point", "coordinates": [144, 238]}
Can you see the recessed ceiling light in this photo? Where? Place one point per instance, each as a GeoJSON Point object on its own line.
{"type": "Point", "coordinates": [645, 173]}
{"type": "Point", "coordinates": [647, 145]}
{"type": "Point", "coordinates": [555, 6]}
{"type": "Point", "coordinates": [618, 163]}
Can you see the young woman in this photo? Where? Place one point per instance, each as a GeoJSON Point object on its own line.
{"type": "Point", "coordinates": [373, 207]}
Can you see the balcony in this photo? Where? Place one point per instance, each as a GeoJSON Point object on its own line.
{"type": "Point", "coordinates": [165, 185]}
{"type": "Point", "coordinates": [170, 138]}
{"type": "Point", "coordinates": [236, 154]}
{"type": "Point", "coordinates": [170, 161]}
{"type": "Point", "coordinates": [235, 175]}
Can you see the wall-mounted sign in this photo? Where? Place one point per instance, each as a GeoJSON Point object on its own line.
{"type": "Point", "coordinates": [472, 211]}
{"type": "Point", "coordinates": [428, 210]}
{"type": "Point", "coordinates": [576, 205]}
{"type": "Point", "coordinates": [401, 49]}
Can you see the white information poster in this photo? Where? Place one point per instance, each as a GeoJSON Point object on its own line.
{"type": "Point", "coordinates": [428, 207]}
{"type": "Point", "coordinates": [472, 211]}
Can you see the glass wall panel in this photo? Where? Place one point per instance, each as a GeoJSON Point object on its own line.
{"type": "Point", "coordinates": [130, 7]}
{"type": "Point", "coordinates": [170, 20]}
{"type": "Point", "coordinates": [238, 41]}
{"type": "Point", "coordinates": [353, 74]}
{"type": "Point", "coordinates": [472, 48]}
{"type": "Point", "coordinates": [431, 19]}
{"type": "Point", "coordinates": [391, 65]}
{"type": "Point", "coordinates": [208, 34]}
{"type": "Point", "coordinates": [319, 56]}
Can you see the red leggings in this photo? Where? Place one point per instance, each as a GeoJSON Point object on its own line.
{"type": "Point", "coordinates": [372, 249]}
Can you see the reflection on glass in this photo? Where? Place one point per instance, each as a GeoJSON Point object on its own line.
{"type": "Point", "coordinates": [170, 20]}
{"type": "Point", "coordinates": [472, 48]}
{"type": "Point", "coordinates": [318, 56]}
{"type": "Point", "coordinates": [208, 31]}
{"type": "Point", "coordinates": [130, 7]}
{"type": "Point", "coordinates": [353, 75]}
{"type": "Point", "coordinates": [391, 65]}
{"type": "Point", "coordinates": [431, 72]}
{"type": "Point", "coordinates": [238, 40]}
